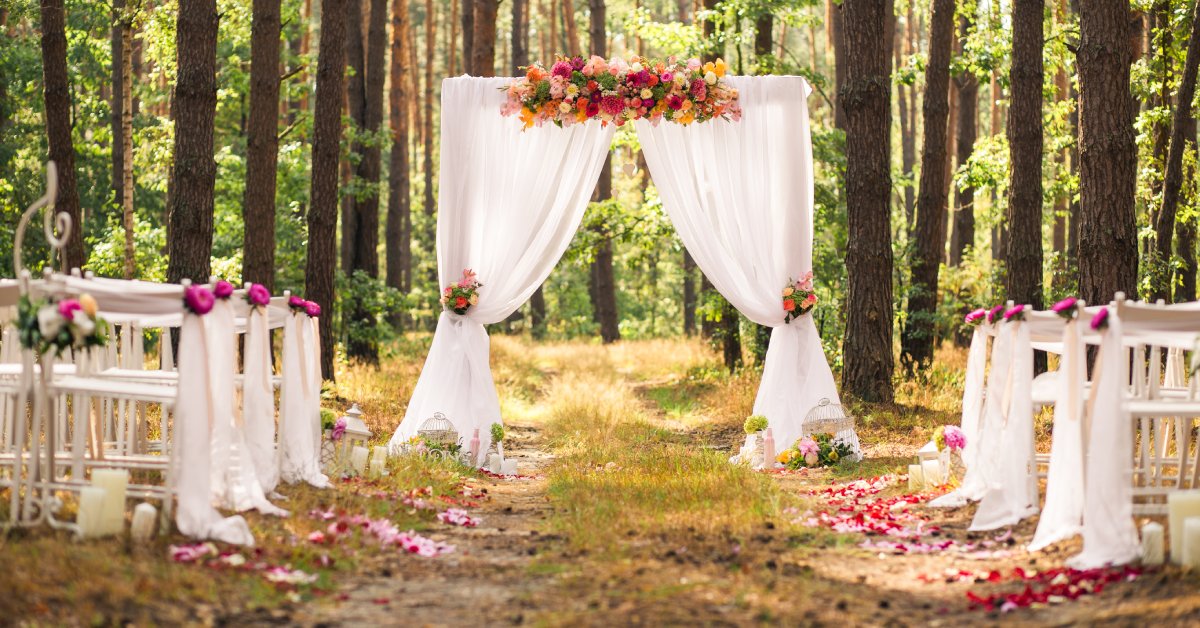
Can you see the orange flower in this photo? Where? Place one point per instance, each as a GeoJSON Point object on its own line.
{"type": "Point", "coordinates": [789, 305]}
{"type": "Point", "coordinates": [535, 74]}
{"type": "Point", "coordinates": [527, 117]}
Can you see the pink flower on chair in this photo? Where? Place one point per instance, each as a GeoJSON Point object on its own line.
{"type": "Point", "coordinates": [223, 289]}
{"type": "Point", "coordinates": [258, 294]}
{"type": "Point", "coordinates": [198, 299]}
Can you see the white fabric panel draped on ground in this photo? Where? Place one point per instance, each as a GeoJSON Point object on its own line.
{"type": "Point", "coordinates": [300, 411]}
{"type": "Point", "coordinates": [1062, 516]}
{"type": "Point", "coordinates": [1109, 535]}
{"type": "Point", "coordinates": [740, 195]}
{"type": "Point", "coordinates": [509, 203]}
{"type": "Point", "coordinates": [192, 451]}
{"type": "Point", "coordinates": [972, 487]}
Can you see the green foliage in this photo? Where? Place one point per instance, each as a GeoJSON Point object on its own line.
{"type": "Point", "coordinates": [382, 306]}
{"type": "Point", "coordinates": [754, 423]}
{"type": "Point", "coordinates": [497, 432]}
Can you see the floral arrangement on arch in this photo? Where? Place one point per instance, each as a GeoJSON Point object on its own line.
{"type": "Point", "coordinates": [798, 297]}
{"type": "Point", "coordinates": [817, 450]}
{"type": "Point", "coordinates": [53, 326]}
{"type": "Point", "coordinates": [577, 90]}
{"type": "Point", "coordinates": [460, 296]}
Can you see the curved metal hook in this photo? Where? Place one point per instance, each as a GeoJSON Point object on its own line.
{"type": "Point", "coordinates": [52, 222]}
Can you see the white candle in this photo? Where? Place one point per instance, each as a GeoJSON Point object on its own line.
{"type": "Point", "coordinates": [916, 478]}
{"type": "Point", "coordinates": [145, 523]}
{"type": "Point", "coordinates": [358, 460]}
{"type": "Point", "coordinates": [114, 482]}
{"type": "Point", "coordinates": [1191, 542]}
{"type": "Point", "coordinates": [1180, 506]}
{"type": "Point", "coordinates": [379, 457]}
{"type": "Point", "coordinates": [91, 507]}
{"type": "Point", "coordinates": [376, 469]}
{"type": "Point", "coordinates": [933, 473]}
{"type": "Point", "coordinates": [494, 463]}
{"type": "Point", "coordinates": [1152, 544]}
{"type": "Point", "coordinates": [508, 467]}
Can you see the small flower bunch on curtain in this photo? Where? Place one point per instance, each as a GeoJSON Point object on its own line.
{"type": "Point", "coordinates": [53, 326]}
{"type": "Point", "coordinates": [798, 297]}
{"type": "Point", "coordinates": [459, 297]}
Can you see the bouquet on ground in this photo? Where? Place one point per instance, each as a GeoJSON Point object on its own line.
{"type": "Point", "coordinates": [617, 91]}
{"type": "Point", "coordinates": [53, 326]}
{"type": "Point", "coordinates": [459, 297]}
{"type": "Point", "coordinates": [817, 450]}
{"type": "Point", "coordinates": [798, 297]}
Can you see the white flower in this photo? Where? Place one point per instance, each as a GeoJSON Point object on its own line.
{"type": "Point", "coordinates": [710, 78]}
{"type": "Point", "coordinates": [646, 93]}
{"type": "Point", "coordinates": [680, 79]}
{"type": "Point", "coordinates": [82, 326]}
{"type": "Point", "coordinates": [636, 67]}
{"type": "Point", "coordinates": [49, 322]}
{"type": "Point", "coordinates": [564, 107]}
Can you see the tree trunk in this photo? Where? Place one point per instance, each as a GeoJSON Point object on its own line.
{"type": "Point", "coordinates": [468, 28]}
{"type": "Point", "coordinates": [1023, 261]}
{"type": "Point", "coordinates": [399, 211]}
{"type": "Point", "coordinates": [1108, 255]}
{"type": "Point", "coordinates": [126, 140]}
{"type": "Point", "coordinates": [117, 102]}
{"type": "Point", "coordinates": [57, 94]}
{"type": "Point", "coordinates": [919, 330]}
{"type": "Point", "coordinates": [908, 128]}
{"type": "Point", "coordinates": [452, 45]}
{"type": "Point", "coordinates": [553, 32]}
{"type": "Point", "coordinates": [838, 41]}
{"type": "Point", "coordinates": [963, 235]}
{"type": "Point", "coordinates": [262, 146]}
{"type": "Point", "coordinates": [568, 14]}
{"type": "Point", "coordinates": [1185, 243]}
{"type": "Point", "coordinates": [603, 289]}
{"type": "Point", "coordinates": [866, 96]}
{"type": "Point", "coordinates": [1061, 201]}
{"type": "Point", "coordinates": [427, 132]}
{"type": "Point", "coordinates": [195, 168]}
{"type": "Point", "coordinates": [327, 137]}
{"type": "Point", "coordinates": [483, 49]}
{"type": "Point", "coordinates": [689, 294]}
{"type": "Point", "coordinates": [1173, 181]}
{"type": "Point", "coordinates": [520, 35]}
{"type": "Point", "coordinates": [356, 106]}
{"type": "Point", "coordinates": [762, 35]}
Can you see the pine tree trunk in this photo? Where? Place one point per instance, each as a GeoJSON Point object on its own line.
{"type": "Point", "coordinates": [116, 103]}
{"type": "Point", "coordinates": [604, 288]}
{"type": "Point", "coordinates": [56, 87]}
{"type": "Point", "coordinates": [1173, 181]}
{"type": "Point", "coordinates": [190, 243]}
{"type": "Point", "coordinates": [327, 137]}
{"type": "Point", "coordinates": [484, 44]}
{"type": "Point", "coordinates": [1023, 261]}
{"type": "Point", "coordinates": [468, 28]}
{"type": "Point", "coordinates": [452, 44]}
{"type": "Point", "coordinates": [1185, 241]}
{"type": "Point", "coordinates": [568, 14]}
{"type": "Point", "coordinates": [963, 234]}
{"type": "Point", "coordinates": [908, 129]}
{"type": "Point", "coordinates": [427, 133]}
{"type": "Point", "coordinates": [126, 142]}
{"type": "Point", "coordinates": [398, 243]}
{"type": "Point", "coordinates": [689, 294]}
{"type": "Point", "coordinates": [520, 35]}
{"type": "Point", "coordinates": [1108, 254]}
{"type": "Point", "coordinates": [865, 96]}
{"type": "Point", "coordinates": [763, 27]}
{"type": "Point", "coordinates": [917, 341]}
{"type": "Point", "coordinates": [1058, 238]}
{"type": "Point", "coordinates": [356, 107]}
{"type": "Point", "coordinates": [262, 146]}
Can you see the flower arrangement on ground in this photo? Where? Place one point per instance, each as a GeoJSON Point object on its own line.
{"type": "Point", "coordinates": [798, 297]}
{"type": "Point", "coordinates": [817, 450]}
{"type": "Point", "coordinates": [460, 296]}
{"type": "Point", "coordinates": [51, 327]}
{"type": "Point", "coordinates": [617, 91]}
{"type": "Point", "coordinates": [949, 437]}
{"type": "Point", "coordinates": [755, 423]}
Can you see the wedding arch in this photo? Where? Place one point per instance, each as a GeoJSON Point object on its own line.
{"type": "Point", "coordinates": [740, 194]}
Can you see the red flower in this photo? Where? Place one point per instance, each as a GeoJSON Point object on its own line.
{"type": "Point", "coordinates": [789, 305]}
{"type": "Point", "coordinates": [593, 109]}
{"type": "Point", "coordinates": [675, 102]}
{"type": "Point", "coordinates": [613, 105]}
{"type": "Point", "coordinates": [460, 302]}
{"type": "Point", "coordinates": [592, 85]}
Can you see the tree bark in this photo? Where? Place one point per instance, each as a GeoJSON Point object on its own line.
{"type": "Point", "coordinates": [262, 146]}
{"type": "Point", "coordinates": [484, 46]}
{"type": "Point", "coordinates": [195, 174]}
{"type": "Point", "coordinates": [866, 96]}
{"type": "Point", "coordinates": [568, 15]}
{"type": "Point", "coordinates": [838, 41]}
{"type": "Point", "coordinates": [327, 137]}
{"type": "Point", "coordinates": [689, 294]}
{"type": "Point", "coordinates": [1108, 255]}
{"type": "Point", "coordinates": [1185, 243]}
{"type": "Point", "coordinates": [117, 102]}
{"type": "Point", "coordinates": [427, 131]}
{"type": "Point", "coordinates": [452, 45]}
{"type": "Point", "coordinates": [1023, 261]}
{"type": "Point", "coordinates": [520, 35]}
{"type": "Point", "coordinates": [604, 289]}
{"type": "Point", "coordinates": [1173, 181]}
{"type": "Point", "coordinates": [963, 235]}
{"type": "Point", "coordinates": [763, 41]}
{"type": "Point", "coordinates": [468, 29]}
{"type": "Point", "coordinates": [908, 128]}
{"type": "Point", "coordinates": [125, 24]}
{"type": "Point", "coordinates": [399, 210]}
{"type": "Point", "coordinates": [917, 341]}
{"type": "Point", "coordinates": [56, 88]}
{"type": "Point", "coordinates": [356, 107]}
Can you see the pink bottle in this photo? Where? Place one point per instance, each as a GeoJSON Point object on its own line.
{"type": "Point", "coordinates": [475, 447]}
{"type": "Point", "coordinates": [769, 450]}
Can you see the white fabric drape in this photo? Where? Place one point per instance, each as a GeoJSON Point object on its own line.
{"type": "Point", "coordinates": [1062, 517]}
{"type": "Point", "coordinates": [1109, 535]}
{"type": "Point", "coordinates": [300, 412]}
{"type": "Point", "coordinates": [195, 417]}
{"type": "Point", "coordinates": [972, 487]}
{"type": "Point", "coordinates": [509, 203]}
{"type": "Point", "coordinates": [740, 195]}
{"type": "Point", "coordinates": [258, 399]}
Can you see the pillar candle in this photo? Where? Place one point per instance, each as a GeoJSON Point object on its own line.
{"type": "Point", "coordinates": [91, 507]}
{"type": "Point", "coordinates": [1191, 543]}
{"type": "Point", "coordinates": [114, 482]}
{"type": "Point", "coordinates": [508, 467]}
{"type": "Point", "coordinates": [1180, 506]}
{"type": "Point", "coordinates": [358, 460]}
{"type": "Point", "coordinates": [145, 523]}
{"type": "Point", "coordinates": [493, 463]}
{"type": "Point", "coordinates": [932, 469]}
{"type": "Point", "coordinates": [916, 478]}
{"type": "Point", "coordinates": [1152, 544]}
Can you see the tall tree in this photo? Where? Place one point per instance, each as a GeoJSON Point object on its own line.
{"type": "Point", "coordinates": [866, 96]}
{"type": "Point", "coordinates": [963, 234]}
{"type": "Point", "coordinates": [56, 91]}
{"type": "Point", "coordinates": [452, 44]}
{"type": "Point", "coordinates": [689, 294]}
{"type": "Point", "coordinates": [837, 37]}
{"type": "Point", "coordinates": [919, 329]}
{"type": "Point", "coordinates": [327, 137]}
{"type": "Point", "coordinates": [1023, 259]}
{"type": "Point", "coordinates": [1185, 242]}
{"type": "Point", "coordinates": [1173, 181]}
{"type": "Point", "coordinates": [603, 278]}
{"type": "Point", "coordinates": [262, 146]}
{"type": "Point", "coordinates": [484, 46]}
{"type": "Point", "coordinates": [569, 30]}
{"type": "Point", "coordinates": [123, 14]}
{"type": "Point", "coordinates": [468, 28]}
{"type": "Point", "coordinates": [1108, 255]}
{"type": "Point", "coordinates": [908, 122]}
{"type": "Point", "coordinates": [190, 241]}
{"type": "Point", "coordinates": [399, 209]}
{"type": "Point", "coordinates": [520, 59]}
{"type": "Point", "coordinates": [427, 126]}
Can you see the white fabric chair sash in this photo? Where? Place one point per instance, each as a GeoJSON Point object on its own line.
{"type": "Point", "coordinates": [258, 400]}
{"type": "Point", "coordinates": [972, 487]}
{"type": "Point", "coordinates": [300, 414]}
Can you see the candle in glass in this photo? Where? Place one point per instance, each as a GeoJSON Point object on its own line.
{"type": "Point", "coordinates": [1152, 544]}
{"type": "Point", "coordinates": [145, 523]}
{"type": "Point", "coordinates": [91, 507]}
{"type": "Point", "coordinates": [493, 463]}
{"type": "Point", "coordinates": [115, 482]}
{"type": "Point", "coordinates": [508, 467]}
{"type": "Point", "coordinates": [358, 460]}
{"type": "Point", "coordinates": [932, 470]}
{"type": "Point", "coordinates": [916, 478]}
{"type": "Point", "coordinates": [379, 456]}
{"type": "Point", "coordinates": [1180, 506]}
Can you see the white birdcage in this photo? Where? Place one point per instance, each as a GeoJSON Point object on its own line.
{"type": "Point", "coordinates": [831, 418]}
{"type": "Point", "coordinates": [438, 430]}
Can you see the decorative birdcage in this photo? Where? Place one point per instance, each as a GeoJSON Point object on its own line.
{"type": "Point", "coordinates": [438, 430]}
{"type": "Point", "coordinates": [831, 418]}
{"type": "Point", "coordinates": [436, 438]}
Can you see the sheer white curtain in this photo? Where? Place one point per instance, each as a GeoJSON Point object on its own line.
{"type": "Point", "coordinates": [509, 203]}
{"type": "Point", "coordinates": [300, 404]}
{"type": "Point", "coordinates": [258, 399]}
{"type": "Point", "coordinates": [1062, 517]}
{"type": "Point", "coordinates": [972, 487]}
{"type": "Point", "coordinates": [740, 194]}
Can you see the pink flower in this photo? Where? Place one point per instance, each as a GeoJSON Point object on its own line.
{"type": "Point", "coordinates": [68, 307]}
{"type": "Point", "coordinates": [975, 316]}
{"type": "Point", "coordinates": [1100, 320]}
{"type": "Point", "coordinates": [223, 289]}
{"type": "Point", "coordinates": [296, 302]}
{"type": "Point", "coordinates": [693, 64]}
{"type": "Point", "coordinates": [954, 438]}
{"type": "Point", "coordinates": [994, 312]}
{"type": "Point", "coordinates": [674, 102]}
{"type": "Point", "coordinates": [1014, 312]}
{"type": "Point", "coordinates": [1065, 304]}
{"type": "Point", "coordinates": [667, 77]}
{"type": "Point", "coordinates": [339, 430]}
{"type": "Point", "coordinates": [198, 299]}
{"type": "Point", "coordinates": [562, 68]}
{"type": "Point", "coordinates": [699, 89]}
{"type": "Point", "coordinates": [258, 294]}
{"type": "Point", "coordinates": [612, 105]}
{"type": "Point", "coordinates": [577, 63]}
{"type": "Point", "coordinates": [807, 446]}
{"type": "Point", "coordinates": [312, 309]}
